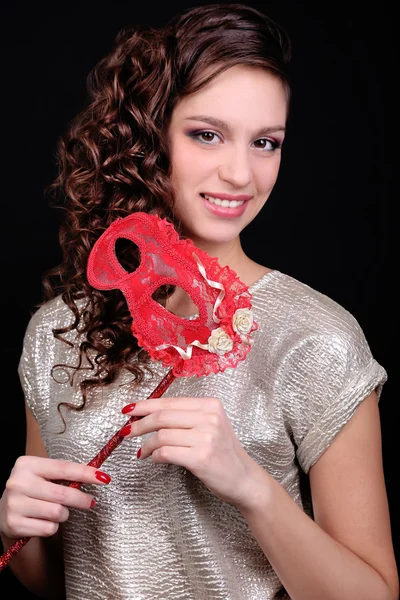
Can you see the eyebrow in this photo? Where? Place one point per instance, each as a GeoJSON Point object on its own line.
{"type": "Point", "coordinates": [221, 124]}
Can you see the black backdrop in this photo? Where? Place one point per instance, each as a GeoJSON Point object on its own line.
{"type": "Point", "coordinates": [327, 222]}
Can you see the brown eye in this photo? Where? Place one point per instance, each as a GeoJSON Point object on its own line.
{"type": "Point", "coordinates": [263, 143]}
{"type": "Point", "coordinates": [207, 136]}
{"type": "Point", "coordinates": [266, 144]}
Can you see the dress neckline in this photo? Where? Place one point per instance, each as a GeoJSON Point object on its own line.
{"type": "Point", "coordinates": [254, 286]}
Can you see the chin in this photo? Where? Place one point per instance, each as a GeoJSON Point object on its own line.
{"type": "Point", "coordinates": [215, 233]}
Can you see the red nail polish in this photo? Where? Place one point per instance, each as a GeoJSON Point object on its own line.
{"type": "Point", "coordinates": [128, 408]}
{"type": "Point", "coordinates": [103, 477]}
{"type": "Point", "coordinates": [93, 503]}
{"type": "Point", "coordinates": [125, 430]}
{"type": "Point", "coordinates": [139, 453]}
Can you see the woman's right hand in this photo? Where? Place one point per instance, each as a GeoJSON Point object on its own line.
{"type": "Point", "coordinates": [33, 504]}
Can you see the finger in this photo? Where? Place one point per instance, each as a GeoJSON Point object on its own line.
{"type": "Point", "coordinates": [60, 494]}
{"type": "Point", "coordinates": [175, 455]}
{"type": "Point", "coordinates": [39, 509]}
{"type": "Point", "coordinates": [32, 486]}
{"type": "Point", "coordinates": [169, 437]}
{"type": "Point", "coordinates": [61, 470]}
{"type": "Point", "coordinates": [27, 527]}
{"type": "Point", "coordinates": [150, 405]}
{"type": "Point", "coordinates": [164, 419]}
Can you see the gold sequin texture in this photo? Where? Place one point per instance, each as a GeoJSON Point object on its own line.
{"type": "Point", "coordinates": [157, 532]}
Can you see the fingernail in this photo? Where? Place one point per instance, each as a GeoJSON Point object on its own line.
{"type": "Point", "coordinates": [139, 453]}
{"type": "Point", "coordinates": [125, 430]}
{"type": "Point", "coordinates": [93, 503]}
{"type": "Point", "coordinates": [128, 408]}
{"type": "Point", "coordinates": [103, 477]}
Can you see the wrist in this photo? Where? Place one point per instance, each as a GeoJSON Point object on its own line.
{"type": "Point", "coordinates": [257, 490]}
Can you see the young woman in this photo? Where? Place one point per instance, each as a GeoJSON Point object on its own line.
{"type": "Point", "coordinates": [187, 122]}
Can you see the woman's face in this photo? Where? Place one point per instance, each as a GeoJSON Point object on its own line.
{"type": "Point", "coordinates": [225, 145]}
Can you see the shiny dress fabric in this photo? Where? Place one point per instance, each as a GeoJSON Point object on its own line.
{"type": "Point", "coordinates": [156, 532]}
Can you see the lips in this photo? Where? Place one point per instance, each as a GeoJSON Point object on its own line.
{"type": "Point", "coordinates": [224, 207]}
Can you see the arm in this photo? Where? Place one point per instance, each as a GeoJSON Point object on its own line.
{"type": "Point", "coordinates": [347, 552]}
{"type": "Point", "coordinates": [39, 564]}
{"type": "Point", "coordinates": [34, 504]}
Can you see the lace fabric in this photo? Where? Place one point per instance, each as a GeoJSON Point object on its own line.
{"type": "Point", "coordinates": [166, 259]}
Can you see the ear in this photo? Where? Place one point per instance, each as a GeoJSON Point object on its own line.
{"type": "Point", "coordinates": [104, 272]}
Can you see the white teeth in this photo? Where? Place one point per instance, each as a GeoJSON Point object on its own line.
{"type": "Point", "coordinates": [224, 203]}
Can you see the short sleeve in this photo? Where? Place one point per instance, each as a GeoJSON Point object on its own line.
{"type": "Point", "coordinates": [40, 352]}
{"type": "Point", "coordinates": [30, 368]}
{"type": "Point", "coordinates": [325, 378]}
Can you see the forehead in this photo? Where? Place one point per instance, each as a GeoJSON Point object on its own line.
{"type": "Point", "coordinates": [239, 94]}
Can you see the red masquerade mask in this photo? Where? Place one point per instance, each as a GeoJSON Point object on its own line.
{"type": "Point", "coordinates": [219, 337]}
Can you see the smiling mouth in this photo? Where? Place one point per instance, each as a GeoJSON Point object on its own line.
{"type": "Point", "coordinates": [223, 203]}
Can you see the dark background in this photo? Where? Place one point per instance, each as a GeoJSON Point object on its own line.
{"type": "Point", "coordinates": [327, 222]}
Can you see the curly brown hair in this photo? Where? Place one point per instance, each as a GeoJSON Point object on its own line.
{"type": "Point", "coordinates": [113, 160]}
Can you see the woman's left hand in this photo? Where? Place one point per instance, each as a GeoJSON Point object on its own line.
{"type": "Point", "coordinates": [197, 434]}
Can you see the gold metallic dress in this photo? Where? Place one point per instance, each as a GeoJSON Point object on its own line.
{"type": "Point", "coordinates": [156, 532]}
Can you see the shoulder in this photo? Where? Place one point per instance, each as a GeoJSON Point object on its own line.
{"type": "Point", "coordinates": [41, 344]}
{"type": "Point", "coordinates": [325, 367]}
{"type": "Point", "coordinates": [300, 314]}
{"type": "Point", "coordinates": [41, 349]}
{"type": "Point", "coordinates": [312, 342]}
{"type": "Point", "coordinates": [53, 314]}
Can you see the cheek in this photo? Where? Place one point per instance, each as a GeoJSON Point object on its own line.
{"type": "Point", "coordinates": [266, 174]}
{"type": "Point", "coordinates": [182, 159]}
{"type": "Point", "coordinates": [191, 165]}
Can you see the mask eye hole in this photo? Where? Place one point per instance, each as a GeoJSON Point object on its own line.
{"type": "Point", "coordinates": [128, 254]}
{"type": "Point", "coordinates": [163, 295]}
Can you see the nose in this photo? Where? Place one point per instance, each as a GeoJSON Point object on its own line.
{"type": "Point", "coordinates": [236, 168]}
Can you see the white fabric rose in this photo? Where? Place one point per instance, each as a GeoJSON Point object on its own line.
{"type": "Point", "coordinates": [219, 342]}
{"type": "Point", "coordinates": [242, 321]}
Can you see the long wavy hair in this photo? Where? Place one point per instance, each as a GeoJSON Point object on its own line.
{"type": "Point", "coordinates": [113, 159]}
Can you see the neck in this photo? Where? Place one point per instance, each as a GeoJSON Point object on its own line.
{"type": "Point", "coordinates": [228, 253]}
{"type": "Point", "coordinates": [231, 254]}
